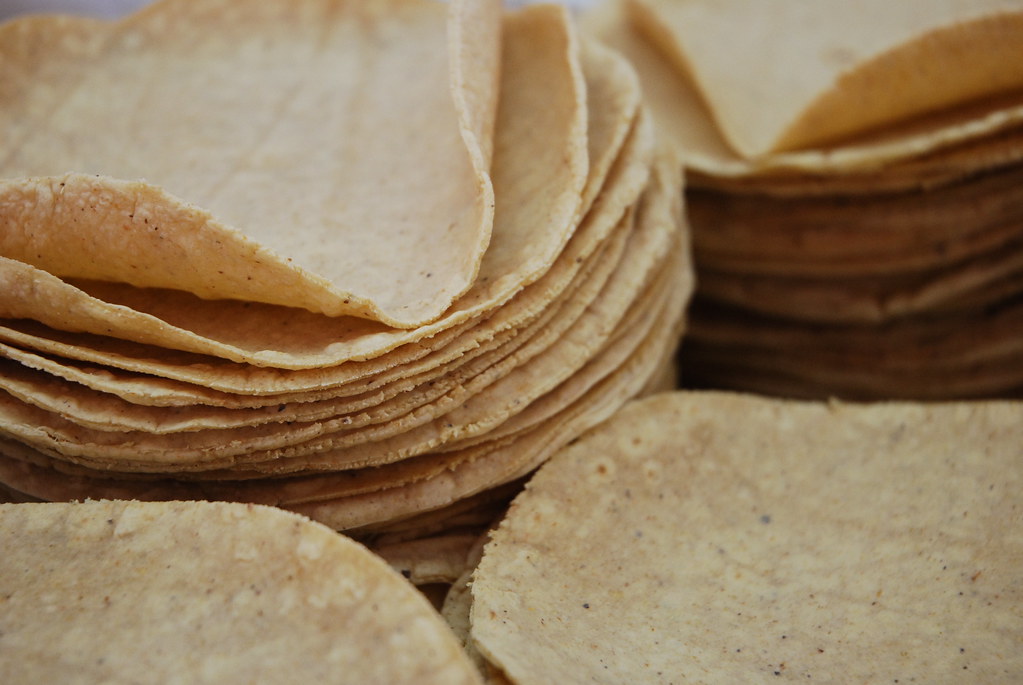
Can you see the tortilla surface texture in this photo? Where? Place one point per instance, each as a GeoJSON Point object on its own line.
{"type": "Point", "coordinates": [370, 112]}
{"type": "Point", "coordinates": [105, 591]}
{"type": "Point", "coordinates": [714, 537]}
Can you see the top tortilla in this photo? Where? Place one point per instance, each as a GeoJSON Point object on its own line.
{"type": "Point", "coordinates": [689, 127]}
{"type": "Point", "coordinates": [811, 73]}
{"type": "Point", "coordinates": [541, 172]}
{"type": "Point", "coordinates": [333, 156]}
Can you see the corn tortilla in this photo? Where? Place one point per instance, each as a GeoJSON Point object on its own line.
{"type": "Point", "coordinates": [330, 444]}
{"type": "Point", "coordinates": [364, 433]}
{"type": "Point", "coordinates": [205, 380]}
{"type": "Point", "coordinates": [367, 497]}
{"type": "Point", "coordinates": [299, 339]}
{"type": "Point", "coordinates": [749, 539]}
{"type": "Point", "coordinates": [531, 228]}
{"type": "Point", "coordinates": [688, 127]}
{"type": "Point", "coordinates": [207, 592]}
{"type": "Point", "coordinates": [384, 402]}
{"type": "Point", "coordinates": [277, 103]}
{"type": "Point", "coordinates": [519, 455]}
{"type": "Point", "coordinates": [850, 74]}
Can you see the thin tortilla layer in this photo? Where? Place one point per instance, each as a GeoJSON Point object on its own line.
{"type": "Point", "coordinates": [687, 127]}
{"type": "Point", "coordinates": [343, 104]}
{"type": "Point", "coordinates": [838, 71]}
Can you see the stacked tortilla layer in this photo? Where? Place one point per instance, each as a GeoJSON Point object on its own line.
{"type": "Point", "coordinates": [156, 348]}
{"type": "Point", "coordinates": [854, 191]}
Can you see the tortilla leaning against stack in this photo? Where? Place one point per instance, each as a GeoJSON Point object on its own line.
{"type": "Point", "coordinates": [120, 388]}
{"type": "Point", "coordinates": [852, 177]}
{"type": "Point", "coordinates": [720, 537]}
{"type": "Point", "coordinates": [207, 592]}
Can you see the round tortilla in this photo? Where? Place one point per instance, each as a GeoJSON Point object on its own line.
{"type": "Point", "coordinates": [342, 104]}
{"type": "Point", "coordinates": [838, 70]}
{"type": "Point", "coordinates": [535, 147]}
{"type": "Point", "coordinates": [687, 126]}
{"type": "Point", "coordinates": [207, 592]}
{"type": "Point", "coordinates": [728, 538]}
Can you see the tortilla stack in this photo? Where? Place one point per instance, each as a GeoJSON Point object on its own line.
{"type": "Point", "coordinates": [852, 182]}
{"type": "Point", "coordinates": [476, 254]}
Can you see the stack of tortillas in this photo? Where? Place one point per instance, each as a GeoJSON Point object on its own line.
{"type": "Point", "coordinates": [854, 189]}
{"type": "Point", "coordinates": [717, 538]}
{"type": "Point", "coordinates": [368, 261]}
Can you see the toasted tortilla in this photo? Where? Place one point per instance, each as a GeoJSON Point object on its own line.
{"type": "Point", "coordinates": [840, 236]}
{"type": "Point", "coordinates": [728, 538]}
{"type": "Point", "coordinates": [870, 300]}
{"type": "Point", "coordinates": [207, 592]}
{"type": "Point", "coordinates": [954, 354]}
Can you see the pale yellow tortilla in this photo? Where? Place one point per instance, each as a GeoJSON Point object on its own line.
{"type": "Point", "coordinates": [105, 591]}
{"type": "Point", "coordinates": [378, 496]}
{"type": "Point", "coordinates": [112, 366]}
{"type": "Point", "coordinates": [536, 147]}
{"type": "Point", "coordinates": [480, 402]}
{"type": "Point", "coordinates": [96, 398]}
{"type": "Point", "coordinates": [613, 97]}
{"type": "Point", "coordinates": [790, 74]}
{"type": "Point", "coordinates": [724, 538]}
{"type": "Point", "coordinates": [687, 126]}
{"type": "Point", "coordinates": [335, 158]}
{"type": "Point", "coordinates": [650, 328]}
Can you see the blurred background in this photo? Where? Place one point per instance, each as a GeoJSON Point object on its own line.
{"type": "Point", "coordinates": [115, 8]}
{"type": "Point", "coordinates": [97, 8]}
